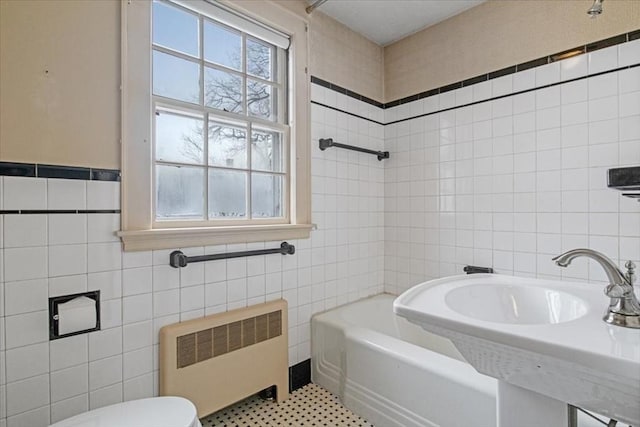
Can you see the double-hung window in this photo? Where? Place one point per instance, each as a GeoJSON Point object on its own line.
{"type": "Point", "coordinates": [222, 150]}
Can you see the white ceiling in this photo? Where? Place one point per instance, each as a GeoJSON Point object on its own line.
{"type": "Point", "coordinates": [386, 21]}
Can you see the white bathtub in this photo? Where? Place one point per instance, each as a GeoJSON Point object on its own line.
{"type": "Point", "coordinates": [393, 373]}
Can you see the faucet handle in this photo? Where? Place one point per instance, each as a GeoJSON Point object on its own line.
{"type": "Point", "coordinates": [630, 275]}
{"type": "Point", "coordinates": [615, 290]}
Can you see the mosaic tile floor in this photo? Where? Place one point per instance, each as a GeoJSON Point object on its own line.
{"type": "Point", "coordinates": [309, 406]}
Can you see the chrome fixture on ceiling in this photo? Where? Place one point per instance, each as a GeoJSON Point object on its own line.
{"type": "Point", "coordinates": [316, 4]}
{"type": "Point", "coordinates": [595, 9]}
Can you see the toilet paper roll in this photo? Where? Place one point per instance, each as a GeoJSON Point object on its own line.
{"type": "Point", "coordinates": [79, 314]}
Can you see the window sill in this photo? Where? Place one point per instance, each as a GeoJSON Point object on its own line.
{"type": "Point", "coordinates": [173, 238]}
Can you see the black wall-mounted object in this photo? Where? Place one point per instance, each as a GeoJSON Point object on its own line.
{"type": "Point", "coordinates": [299, 375]}
{"type": "Point", "coordinates": [179, 259]}
{"type": "Point", "coordinates": [472, 269]}
{"type": "Point", "coordinates": [625, 179]}
{"type": "Point", "coordinates": [54, 302]}
{"type": "Point", "coordinates": [325, 143]}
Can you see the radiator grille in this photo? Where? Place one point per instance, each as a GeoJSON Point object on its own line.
{"type": "Point", "coordinates": [208, 343]}
{"type": "Point", "coordinates": [205, 344]}
{"type": "Point", "coordinates": [186, 350]}
{"type": "Point", "coordinates": [219, 340]}
{"type": "Point", "coordinates": [262, 327]}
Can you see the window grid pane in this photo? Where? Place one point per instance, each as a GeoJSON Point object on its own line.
{"type": "Point", "coordinates": [176, 78]}
{"type": "Point", "coordinates": [224, 91]}
{"type": "Point", "coordinates": [266, 195]}
{"type": "Point", "coordinates": [179, 138]}
{"type": "Point", "coordinates": [175, 28]}
{"type": "Point", "coordinates": [227, 145]}
{"type": "Point", "coordinates": [179, 192]}
{"type": "Point", "coordinates": [267, 151]}
{"type": "Point", "coordinates": [260, 59]}
{"type": "Point", "coordinates": [239, 83]}
{"type": "Point", "coordinates": [227, 194]}
{"type": "Point", "coordinates": [260, 100]}
{"type": "Point", "coordinates": [217, 36]}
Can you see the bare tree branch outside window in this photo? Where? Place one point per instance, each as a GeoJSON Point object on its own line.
{"type": "Point", "coordinates": [224, 92]}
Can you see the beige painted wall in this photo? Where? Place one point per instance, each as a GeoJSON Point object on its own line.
{"type": "Point", "coordinates": [346, 58]}
{"type": "Point", "coordinates": [60, 77]}
{"type": "Point", "coordinates": [497, 34]}
{"type": "Point", "coordinates": [339, 55]}
{"type": "Point", "coordinates": [60, 82]}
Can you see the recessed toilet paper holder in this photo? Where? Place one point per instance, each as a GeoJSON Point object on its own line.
{"type": "Point", "coordinates": [54, 303]}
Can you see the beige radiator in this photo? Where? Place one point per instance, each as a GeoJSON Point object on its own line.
{"type": "Point", "coordinates": [220, 359]}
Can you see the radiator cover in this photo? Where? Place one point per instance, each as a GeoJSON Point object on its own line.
{"type": "Point", "coordinates": [220, 359]}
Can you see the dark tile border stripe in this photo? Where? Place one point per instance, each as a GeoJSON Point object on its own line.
{"type": "Point", "coordinates": [17, 169]}
{"type": "Point", "coordinates": [35, 170]}
{"type": "Point", "coordinates": [578, 50]}
{"type": "Point", "coordinates": [612, 41]}
{"type": "Point", "coordinates": [447, 88]}
{"type": "Point", "coordinates": [495, 74]}
{"type": "Point", "coordinates": [58, 211]}
{"type": "Point", "coordinates": [105, 175]}
{"type": "Point", "coordinates": [345, 91]}
{"type": "Point", "coordinates": [514, 93]}
{"type": "Point", "coordinates": [528, 65]}
{"type": "Point", "coordinates": [64, 172]}
{"type": "Point", "coordinates": [299, 375]}
{"type": "Point", "coordinates": [474, 80]}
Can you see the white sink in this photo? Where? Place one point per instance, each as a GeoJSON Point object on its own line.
{"type": "Point", "coordinates": [542, 336]}
{"type": "Point", "coordinates": [523, 305]}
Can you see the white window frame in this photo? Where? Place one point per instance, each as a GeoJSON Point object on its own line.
{"type": "Point", "coordinates": [139, 228]}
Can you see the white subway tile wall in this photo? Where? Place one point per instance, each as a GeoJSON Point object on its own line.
{"type": "Point", "coordinates": [511, 182]}
{"type": "Point", "coordinates": [44, 381]}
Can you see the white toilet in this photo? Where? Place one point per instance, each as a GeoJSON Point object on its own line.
{"type": "Point", "coordinates": [167, 411]}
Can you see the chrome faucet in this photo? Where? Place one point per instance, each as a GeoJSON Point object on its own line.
{"type": "Point", "coordinates": [624, 308]}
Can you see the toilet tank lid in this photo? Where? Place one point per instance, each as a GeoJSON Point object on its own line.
{"type": "Point", "coordinates": [165, 411]}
